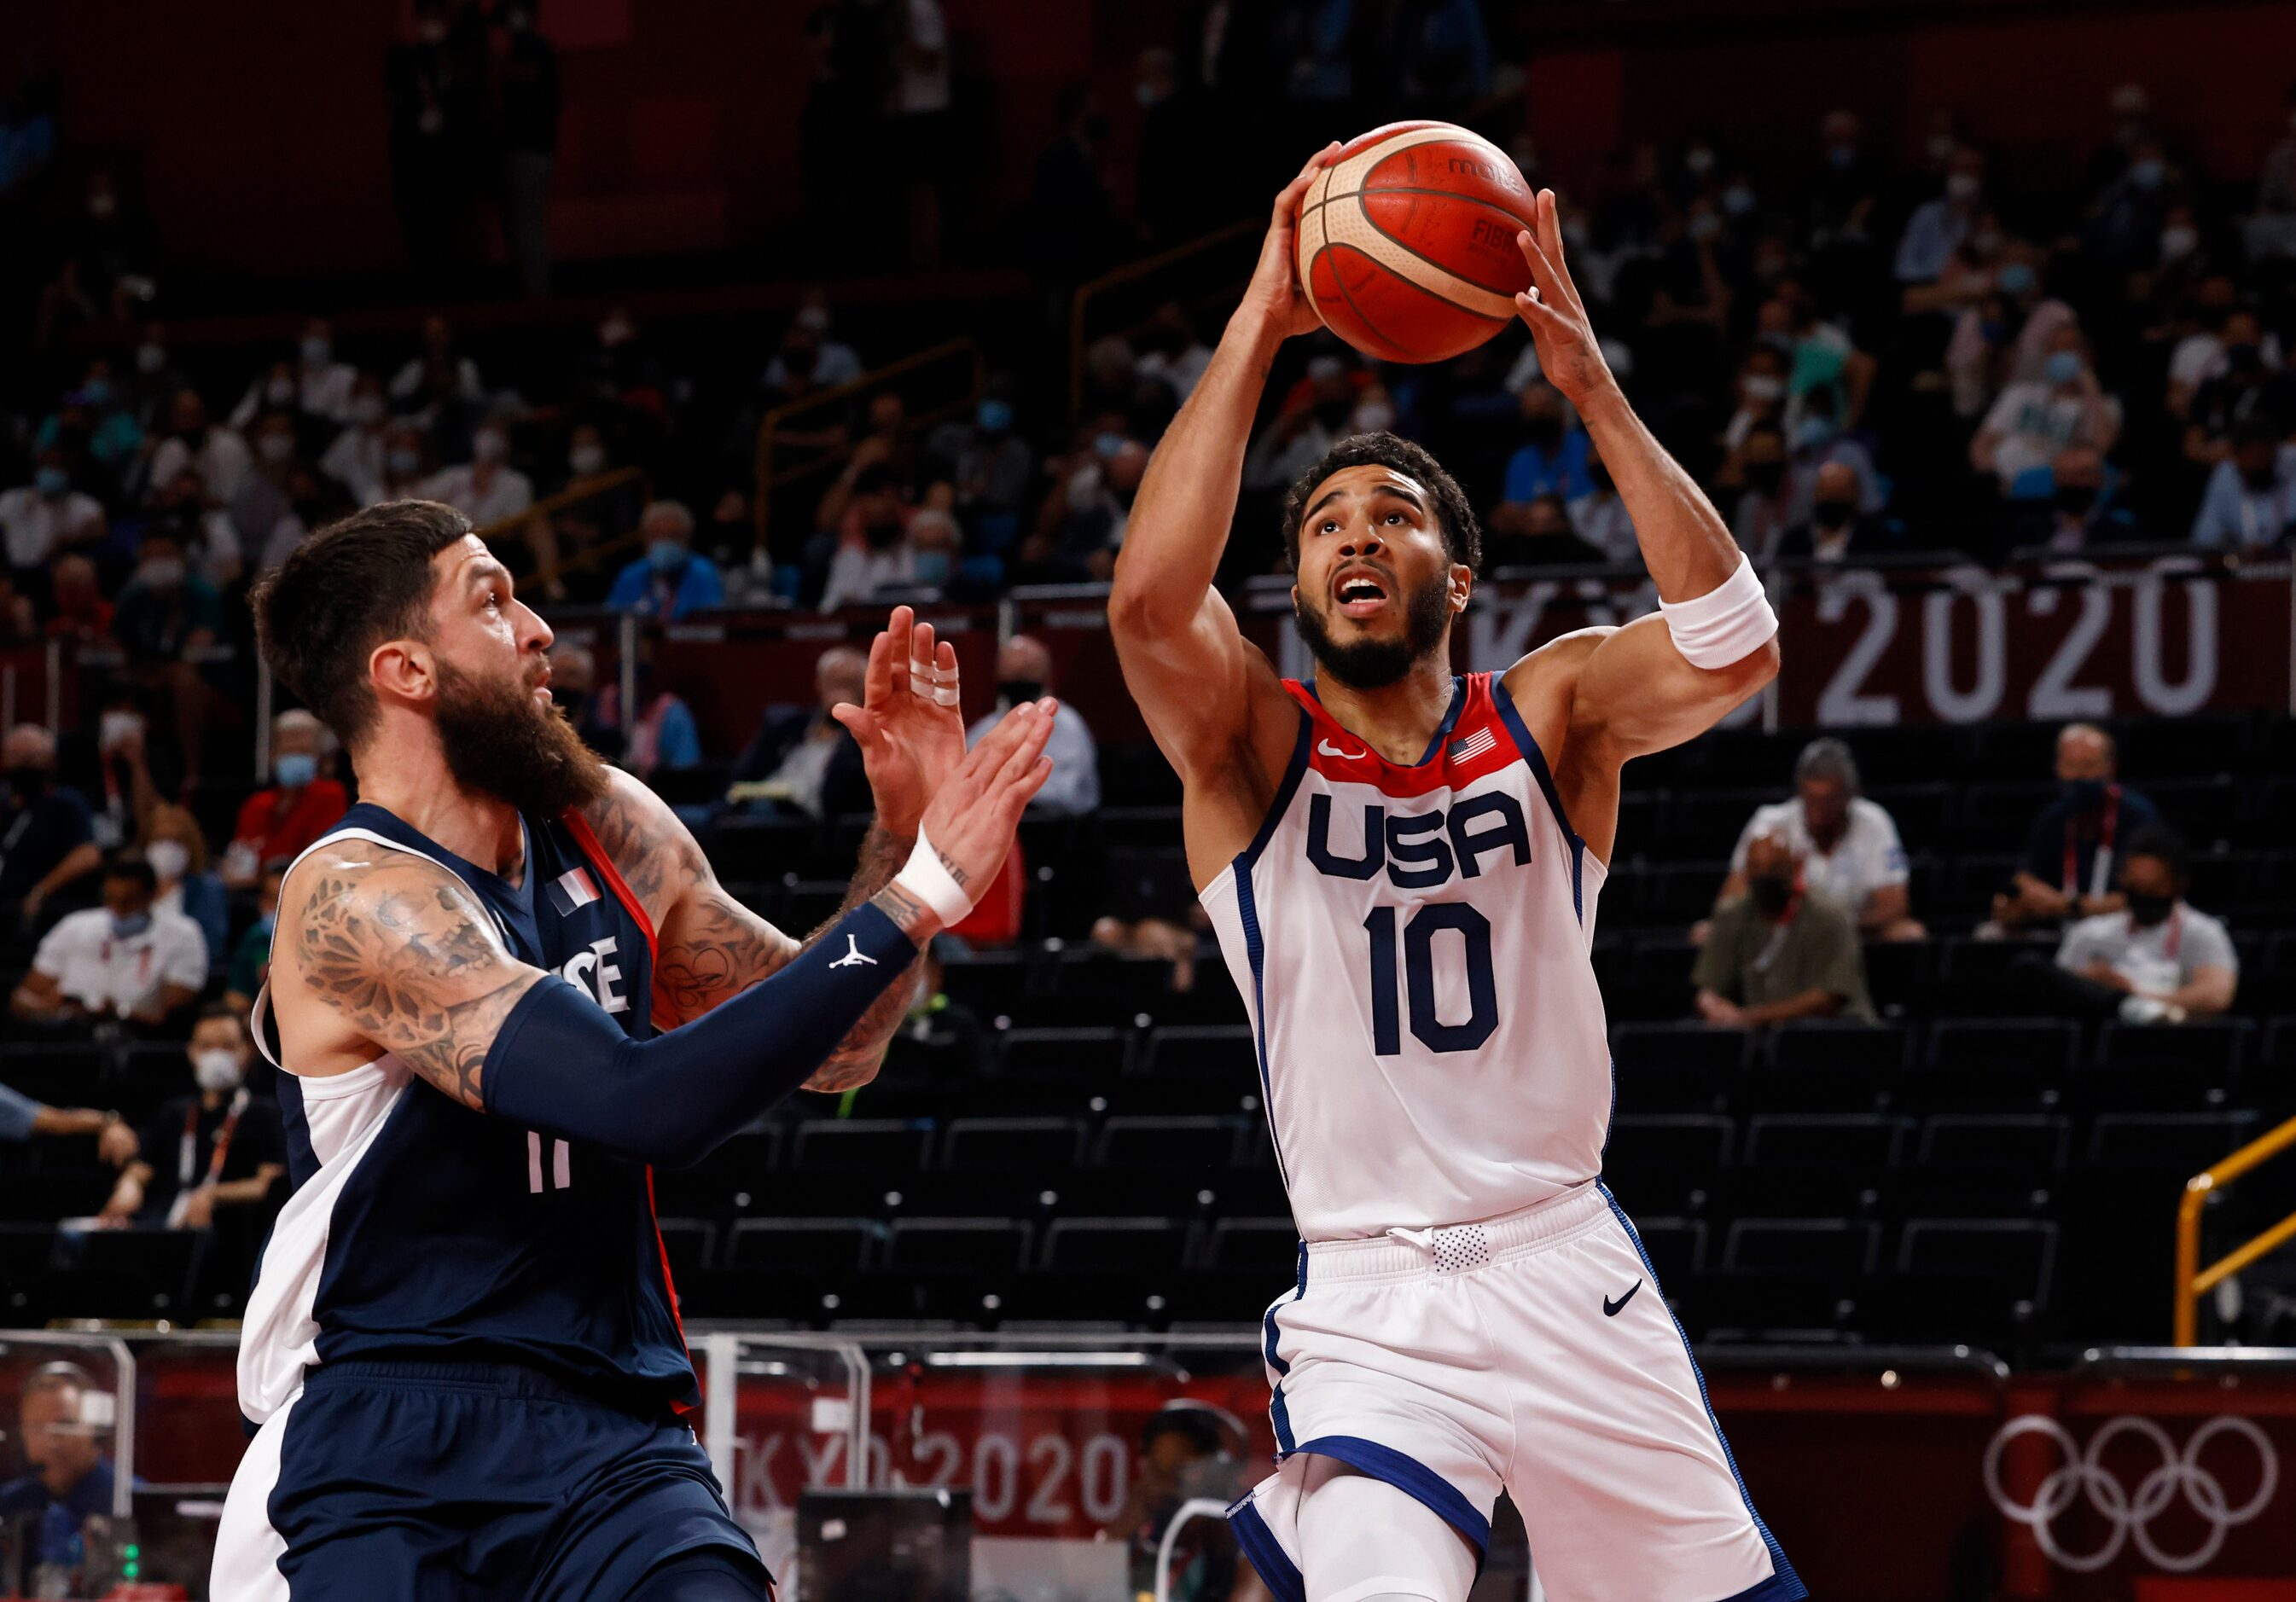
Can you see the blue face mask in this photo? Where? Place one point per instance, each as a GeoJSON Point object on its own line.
{"type": "Point", "coordinates": [2062, 367]}
{"type": "Point", "coordinates": [993, 417]}
{"type": "Point", "coordinates": [2147, 173]}
{"type": "Point", "coordinates": [51, 482]}
{"type": "Point", "coordinates": [1107, 445]}
{"type": "Point", "coordinates": [127, 925]}
{"type": "Point", "coordinates": [2016, 278]}
{"type": "Point", "coordinates": [931, 568]}
{"type": "Point", "coordinates": [665, 556]}
{"type": "Point", "coordinates": [295, 770]}
{"type": "Point", "coordinates": [96, 392]}
{"type": "Point", "coordinates": [1811, 433]}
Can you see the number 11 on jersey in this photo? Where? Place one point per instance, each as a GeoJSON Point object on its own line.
{"type": "Point", "coordinates": [1418, 953]}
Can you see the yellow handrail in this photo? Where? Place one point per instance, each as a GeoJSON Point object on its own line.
{"type": "Point", "coordinates": [534, 524]}
{"type": "Point", "coordinates": [2192, 1280]}
{"type": "Point", "coordinates": [1125, 275]}
{"type": "Point", "coordinates": [769, 426]}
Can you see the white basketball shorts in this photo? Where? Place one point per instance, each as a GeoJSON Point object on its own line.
{"type": "Point", "coordinates": [1531, 1352]}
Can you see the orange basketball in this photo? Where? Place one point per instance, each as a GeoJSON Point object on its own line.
{"type": "Point", "coordinates": [1406, 241]}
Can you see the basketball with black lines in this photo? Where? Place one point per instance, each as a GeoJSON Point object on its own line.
{"type": "Point", "coordinates": [1406, 241]}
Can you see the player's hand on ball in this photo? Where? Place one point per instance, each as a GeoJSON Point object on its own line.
{"type": "Point", "coordinates": [1274, 295]}
{"type": "Point", "coordinates": [908, 726]}
{"type": "Point", "coordinates": [1569, 355]}
{"type": "Point", "coordinates": [975, 812]}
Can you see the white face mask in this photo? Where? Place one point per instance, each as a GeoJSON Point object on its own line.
{"type": "Point", "coordinates": [1373, 417]}
{"type": "Point", "coordinates": [490, 447]}
{"type": "Point", "coordinates": [1763, 386]}
{"type": "Point", "coordinates": [216, 1069]}
{"type": "Point", "coordinates": [585, 460]}
{"type": "Point", "coordinates": [276, 448]}
{"type": "Point", "coordinates": [151, 356]}
{"type": "Point", "coordinates": [168, 858]}
{"type": "Point", "coordinates": [1084, 484]}
{"type": "Point", "coordinates": [1961, 186]}
{"type": "Point", "coordinates": [2178, 242]}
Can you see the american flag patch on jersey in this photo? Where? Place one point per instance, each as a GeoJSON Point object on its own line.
{"type": "Point", "coordinates": [1474, 745]}
{"type": "Point", "coordinates": [568, 891]}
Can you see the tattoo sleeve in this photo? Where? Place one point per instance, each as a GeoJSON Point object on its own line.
{"type": "Point", "coordinates": [402, 951]}
{"type": "Point", "coordinates": [859, 1054]}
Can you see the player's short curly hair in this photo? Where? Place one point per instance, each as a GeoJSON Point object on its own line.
{"type": "Point", "coordinates": [1462, 534]}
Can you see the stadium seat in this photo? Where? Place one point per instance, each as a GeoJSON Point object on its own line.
{"type": "Point", "coordinates": [1265, 1247]}
{"type": "Point", "coordinates": [689, 1244]}
{"type": "Point", "coordinates": [1066, 1057]}
{"type": "Point", "coordinates": [1676, 1250]}
{"type": "Point", "coordinates": [825, 1246]}
{"type": "Point", "coordinates": [1040, 1148]}
{"type": "Point", "coordinates": [1984, 1065]}
{"type": "Point", "coordinates": [1153, 1247]}
{"type": "Point", "coordinates": [2030, 1146]}
{"type": "Point", "coordinates": [875, 1146]}
{"type": "Point", "coordinates": [1977, 1281]}
{"type": "Point", "coordinates": [1678, 1067]}
{"type": "Point", "coordinates": [2163, 1068]}
{"type": "Point", "coordinates": [1667, 1162]}
{"type": "Point", "coordinates": [1170, 1145]}
{"type": "Point", "coordinates": [1827, 1065]}
{"type": "Point", "coordinates": [1842, 1248]}
{"type": "Point", "coordinates": [1706, 824]}
{"type": "Point", "coordinates": [1815, 1165]}
{"type": "Point", "coordinates": [977, 1245]}
{"type": "Point", "coordinates": [1224, 1052]}
{"type": "Point", "coordinates": [2170, 1145]}
{"type": "Point", "coordinates": [1997, 817]}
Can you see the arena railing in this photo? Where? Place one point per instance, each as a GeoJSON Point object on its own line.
{"type": "Point", "coordinates": [772, 474]}
{"type": "Point", "coordinates": [1133, 272]}
{"type": "Point", "coordinates": [2192, 1280]}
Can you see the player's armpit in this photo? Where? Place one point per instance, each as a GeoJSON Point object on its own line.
{"type": "Point", "coordinates": [401, 951]}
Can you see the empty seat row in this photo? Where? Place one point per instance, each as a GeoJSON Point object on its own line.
{"type": "Point", "coordinates": [1266, 1247]}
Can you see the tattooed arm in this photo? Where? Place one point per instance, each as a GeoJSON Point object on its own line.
{"type": "Point", "coordinates": [708, 946]}
{"type": "Point", "coordinates": [391, 952]}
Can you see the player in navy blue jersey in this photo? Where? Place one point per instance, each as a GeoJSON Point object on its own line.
{"type": "Point", "coordinates": [503, 987]}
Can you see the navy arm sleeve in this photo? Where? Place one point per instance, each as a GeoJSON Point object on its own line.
{"type": "Point", "coordinates": [561, 1066]}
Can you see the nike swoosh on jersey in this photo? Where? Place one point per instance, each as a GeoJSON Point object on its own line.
{"type": "Point", "coordinates": [1324, 747]}
{"type": "Point", "coordinates": [1610, 1309]}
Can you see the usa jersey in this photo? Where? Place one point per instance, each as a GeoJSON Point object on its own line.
{"type": "Point", "coordinates": [1412, 947]}
{"type": "Point", "coordinates": [420, 1228]}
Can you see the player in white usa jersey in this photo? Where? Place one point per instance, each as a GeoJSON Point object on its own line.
{"type": "Point", "coordinates": [1403, 868]}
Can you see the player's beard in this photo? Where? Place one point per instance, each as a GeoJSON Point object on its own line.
{"type": "Point", "coordinates": [498, 740]}
{"type": "Point", "coordinates": [1375, 664]}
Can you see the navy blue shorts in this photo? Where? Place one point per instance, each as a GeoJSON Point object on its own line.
{"type": "Point", "coordinates": [451, 1480]}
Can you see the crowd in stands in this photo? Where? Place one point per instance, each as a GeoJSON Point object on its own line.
{"type": "Point", "coordinates": [1860, 358]}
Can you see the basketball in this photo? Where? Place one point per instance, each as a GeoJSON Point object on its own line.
{"type": "Point", "coordinates": [1406, 241]}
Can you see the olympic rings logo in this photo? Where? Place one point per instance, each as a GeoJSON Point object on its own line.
{"type": "Point", "coordinates": [2130, 1515]}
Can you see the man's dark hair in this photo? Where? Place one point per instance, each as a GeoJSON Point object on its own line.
{"type": "Point", "coordinates": [2159, 840]}
{"type": "Point", "coordinates": [343, 591]}
{"type": "Point", "coordinates": [122, 864]}
{"type": "Point", "coordinates": [1195, 1426]}
{"type": "Point", "coordinates": [1462, 535]}
{"type": "Point", "coordinates": [224, 1009]}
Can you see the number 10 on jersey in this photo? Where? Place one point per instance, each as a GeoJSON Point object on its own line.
{"type": "Point", "coordinates": [1418, 988]}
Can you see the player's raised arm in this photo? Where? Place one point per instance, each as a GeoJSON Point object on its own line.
{"type": "Point", "coordinates": [1190, 669]}
{"type": "Point", "coordinates": [710, 946]}
{"type": "Point", "coordinates": [1660, 680]}
{"type": "Point", "coordinates": [394, 948]}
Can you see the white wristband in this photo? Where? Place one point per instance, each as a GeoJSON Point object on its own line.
{"type": "Point", "coordinates": [1724, 625]}
{"type": "Point", "coordinates": [924, 878]}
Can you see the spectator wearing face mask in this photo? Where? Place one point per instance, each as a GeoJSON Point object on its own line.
{"type": "Point", "coordinates": [486, 489]}
{"type": "Point", "coordinates": [216, 454]}
{"type": "Point", "coordinates": [219, 1147]}
{"type": "Point", "coordinates": [990, 466]}
{"type": "Point", "coordinates": [872, 548]}
{"type": "Point", "coordinates": [277, 822]}
{"type": "Point", "coordinates": [441, 372]}
{"type": "Point", "coordinates": [167, 613]}
{"type": "Point", "coordinates": [122, 959]}
{"type": "Point", "coordinates": [2004, 337]}
{"type": "Point", "coordinates": [1761, 396]}
{"type": "Point", "coordinates": [407, 466]}
{"type": "Point", "coordinates": [173, 843]}
{"type": "Point", "coordinates": [95, 425]}
{"type": "Point", "coordinates": [2236, 393]}
{"type": "Point", "coordinates": [671, 579]}
{"type": "Point", "coordinates": [47, 517]}
{"type": "Point", "coordinates": [1759, 468]}
{"type": "Point", "coordinates": [1024, 673]}
{"type": "Point", "coordinates": [250, 959]}
{"type": "Point", "coordinates": [311, 383]}
{"type": "Point", "coordinates": [1080, 527]}
{"type": "Point", "coordinates": [2249, 503]}
{"type": "Point", "coordinates": [2074, 846]}
{"type": "Point", "coordinates": [2159, 959]}
{"type": "Point", "coordinates": [1848, 844]}
{"type": "Point", "coordinates": [2272, 230]}
{"type": "Point", "coordinates": [2124, 229]}
{"type": "Point", "coordinates": [2032, 421]}
{"type": "Point", "coordinates": [1314, 419]}
{"type": "Point", "coordinates": [1834, 524]}
{"type": "Point", "coordinates": [154, 380]}
{"type": "Point", "coordinates": [1937, 228]}
{"type": "Point", "coordinates": [1778, 952]}
{"type": "Point", "coordinates": [355, 457]}
{"type": "Point", "coordinates": [47, 831]}
{"type": "Point", "coordinates": [1172, 352]}
{"type": "Point", "coordinates": [1551, 461]}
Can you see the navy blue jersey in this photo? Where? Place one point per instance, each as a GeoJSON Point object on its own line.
{"type": "Point", "coordinates": [420, 1228]}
